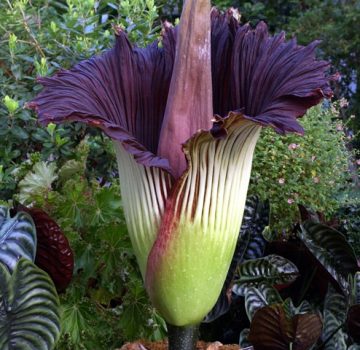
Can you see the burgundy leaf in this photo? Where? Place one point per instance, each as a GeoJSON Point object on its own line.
{"type": "Point", "coordinates": [53, 252]}
{"type": "Point", "coordinates": [271, 329]}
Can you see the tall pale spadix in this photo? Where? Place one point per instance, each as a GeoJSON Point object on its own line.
{"type": "Point", "coordinates": [183, 172]}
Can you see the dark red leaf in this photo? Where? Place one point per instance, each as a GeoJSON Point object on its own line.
{"type": "Point", "coordinates": [271, 329]}
{"type": "Point", "coordinates": [53, 252]}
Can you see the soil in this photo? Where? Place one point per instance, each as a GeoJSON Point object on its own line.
{"type": "Point", "coordinates": [163, 345]}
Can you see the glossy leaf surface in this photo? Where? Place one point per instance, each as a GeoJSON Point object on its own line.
{"type": "Point", "coordinates": [54, 254]}
{"type": "Point", "coordinates": [259, 297]}
{"type": "Point", "coordinates": [272, 269]}
{"type": "Point", "coordinates": [29, 308]}
{"type": "Point", "coordinates": [353, 322]}
{"type": "Point", "coordinates": [334, 316]}
{"type": "Point", "coordinates": [331, 249]}
{"type": "Point", "coordinates": [17, 238]}
{"type": "Point", "coordinates": [271, 329]}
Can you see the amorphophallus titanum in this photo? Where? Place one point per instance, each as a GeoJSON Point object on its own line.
{"type": "Point", "coordinates": [185, 118]}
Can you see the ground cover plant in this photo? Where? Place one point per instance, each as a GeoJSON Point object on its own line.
{"type": "Point", "coordinates": [70, 171]}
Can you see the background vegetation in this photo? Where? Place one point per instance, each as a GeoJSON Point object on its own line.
{"type": "Point", "coordinates": [65, 168]}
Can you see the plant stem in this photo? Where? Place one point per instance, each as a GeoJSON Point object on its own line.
{"type": "Point", "coordinates": [182, 338]}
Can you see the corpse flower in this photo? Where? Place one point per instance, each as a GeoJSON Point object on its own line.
{"type": "Point", "coordinates": [184, 117]}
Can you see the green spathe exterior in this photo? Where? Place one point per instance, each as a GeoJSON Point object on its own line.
{"type": "Point", "coordinates": [192, 253]}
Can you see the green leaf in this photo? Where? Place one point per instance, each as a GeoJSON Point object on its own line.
{"type": "Point", "coordinates": [29, 308]}
{"type": "Point", "coordinates": [37, 182]}
{"type": "Point", "coordinates": [75, 320]}
{"type": "Point", "coordinates": [259, 297]}
{"type": "Point", "coordinates": [354, 347]}
{"type": "Point", "coordinates": [272, 269]}
{"type": "Point", "coordinates": [334, 315]}
{"type": "Point", "coordinates": [17, 238]}
{"type": "Point", "coordinates": [334, 332]}
{"type": "Point", "coordinates": [331, 249]}
{"type": "Point", "coordinates": [355, 288]}
{"type": "Point", "coordinates": [107, 205]}
{"type": "Point", "coordinates": [353, 322]}
{"type": "Point", "coordinates": [19, 132]}
{"type": "Point", "coordinates": [243, 339]}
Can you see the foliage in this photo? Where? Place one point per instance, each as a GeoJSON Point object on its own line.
{"type": "Point", "coordinates": [53, 252]}
{"type": "Point", "coordinates": [273, 328]}
{"type": "Point", "coordinates": [29, 308]}
{"type": "Point", "coordinates": [331, 249]}
{"type": "Point", "coordinates": [17, 238]}
{"type": "Point", "coordinates": [273, 305]}
{"type": "Point", "coordinates": [29, 304]}
{"type": "Point", "coordinates": [332, 22]}
{"type": "Point", "coordinates": [106, 285]}
{"type": "Point", "coordinates": [309, 170]}
{"type": "Point", "coordinates": [37, 38]}
{"type": "Point", "coordinates": [349, 217]}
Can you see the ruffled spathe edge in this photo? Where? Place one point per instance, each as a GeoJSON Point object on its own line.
{"type": "Point", "coordinates": [271, 81]}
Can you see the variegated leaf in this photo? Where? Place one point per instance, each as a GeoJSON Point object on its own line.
{"type": "Point", "coordinates": [331, 249]}
{"type": "Point", "coordinates": [272, 269]}
{"type": "Point", "coordinates": [243, 339]}
{"type": "Point", "coordinates": [334, 315]}
{"type": "Point", "coordinates": [29, 308]}
{"type": "Point", "coordinates": [353, 322]}
{"type": "Point", "coordinates": [17, 238]}
{"type": "Point", "coordinates": [259, 297]}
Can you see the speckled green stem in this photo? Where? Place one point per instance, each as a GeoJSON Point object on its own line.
{"type": "Point", "coordinates": [182, 338]}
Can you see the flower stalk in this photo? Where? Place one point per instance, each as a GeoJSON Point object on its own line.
{"type": "Point", "coordinates": [183, 337]}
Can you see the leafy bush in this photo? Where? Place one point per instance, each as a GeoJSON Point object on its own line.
{"type": "Point", "coordinates": [106, 303]}
{"type": "Point", "coordinates": [38, 38]}
{"type": "Point", "coordinates": [309, 170]}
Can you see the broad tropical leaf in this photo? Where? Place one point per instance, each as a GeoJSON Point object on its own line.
{"type": "Point", "coordinates": [259, 297]}
{"type": "Point", "coordinates": [271, 329]}
{"type": "Point", "coordinates": [272, 269]}
{"type": "Point", "coordinates": [291, 310]}
{"type": "Point", "coordinates": [17, 238]}
{"type": "Point", "coordinates": [331, 249]}
{"type": "Point", "coordinates": [333, 334]}
{"type": "Point", "coordinates": [54, 254]}
{"type": "Point", "coordinates": [354, 347]}
{"type": "Point", "coordinates": [29, 308]}
{"type": "Point", "coordinates": [353, 322]}
{"type": "Point", "coordinates": [353, 316]}
{"type": "Point", "coordinates": [250, 245]}
{"type": "Point", "coordinates": [355, 288]}
{"type": "Point", "coordinates": [334, 316]}
{"type": "Point", "coordinates": [243, 341]}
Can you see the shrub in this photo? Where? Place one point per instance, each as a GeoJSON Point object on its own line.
{"type": "Point", "coordinates": [310, 170]}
